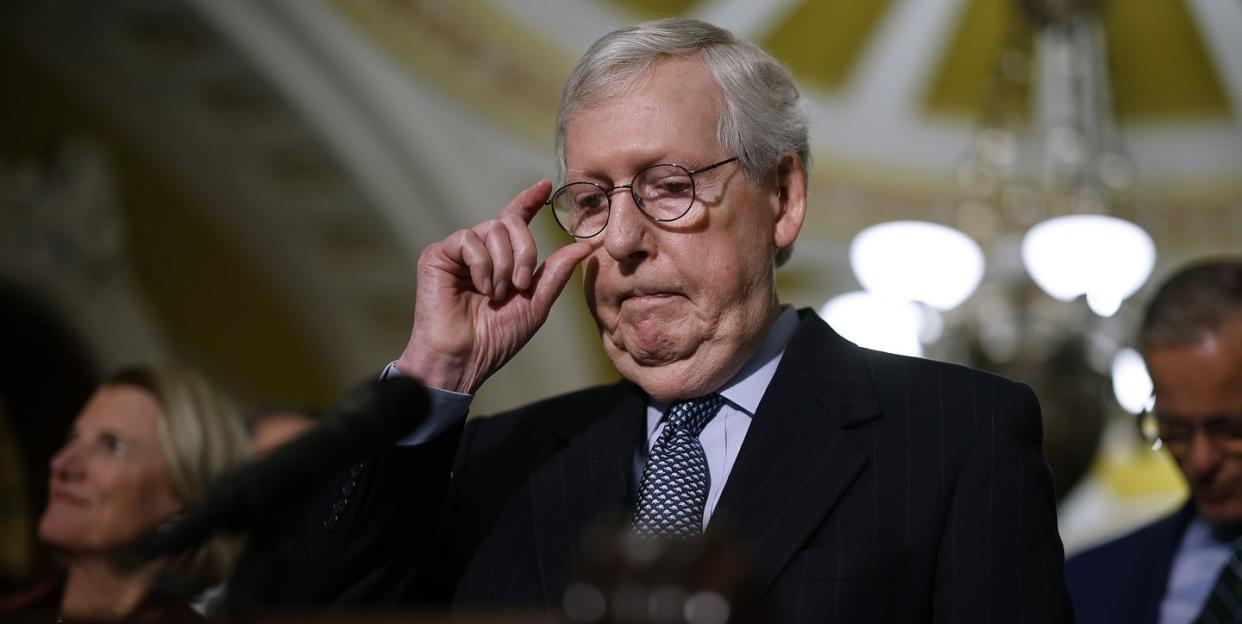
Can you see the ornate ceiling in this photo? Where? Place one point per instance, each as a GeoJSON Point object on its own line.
{"type": "Point", "coordinates": [1175, 73]}
{"type": "Point", "coordinates": [281, 163]}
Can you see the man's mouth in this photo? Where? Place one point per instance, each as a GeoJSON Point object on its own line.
{"type": "Point", "coordinates": [650, 298]}
{"type": "Point", "coordinates": [645, 295]}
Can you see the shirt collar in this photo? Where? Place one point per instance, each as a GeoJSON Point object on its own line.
{"type": "Point", "coordinates": [746, 388]}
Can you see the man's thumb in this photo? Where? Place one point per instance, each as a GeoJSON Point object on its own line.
{"type": "Point", "coordinates": [551, 278]}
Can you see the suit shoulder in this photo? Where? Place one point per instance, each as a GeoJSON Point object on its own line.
{"type": "Point", "coordinates": [919, 372]}
{"type": "Point", "coordinates": [570, 400]}
{"type": "Point", "coordinates": [562, 415]}
{"type": "Point", "coordinates": [554, 410]}
{"type": "Point", "coordinates": [955, 398]}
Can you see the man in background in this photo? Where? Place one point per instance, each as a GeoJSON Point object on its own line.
{"type": "Point", "coordinates": [1185, 567]}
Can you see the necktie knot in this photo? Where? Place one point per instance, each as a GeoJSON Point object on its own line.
{"type": "Point", "coordinates": [693, 414]}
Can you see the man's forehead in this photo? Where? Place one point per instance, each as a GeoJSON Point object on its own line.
{"type": "Point", "coordinates": [672, 113]}
{"type": "Point", "coordinates": [689, 71]}
{"type": "Point", "coordinates": [1200, 378]}
{"type": "Point", "coordinates": [678, 78]}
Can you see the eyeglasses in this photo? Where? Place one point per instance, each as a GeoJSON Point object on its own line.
{"type": "Point", "coordinates": [1224, 431]}
{"type": "Point", "coordinates": [664, 192]}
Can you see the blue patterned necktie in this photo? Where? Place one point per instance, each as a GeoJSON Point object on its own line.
{"type": "Point", "coordinates": [675, 480]}
{"type": "Point", "coordinates": [1224, 604]}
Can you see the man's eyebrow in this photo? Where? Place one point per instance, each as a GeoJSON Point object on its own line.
{"type": "Point", "coordinates": [581, 176]}
{"type": "Point", "coordinates": [1221, 415]}
{"type": "Point", "coordinates": [1166, 415]}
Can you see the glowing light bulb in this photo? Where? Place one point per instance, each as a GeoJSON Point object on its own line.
{"type": "Point", "coordinates": [917, 261]}
{"type": "Point", "coordinates": [1105, 258]}
{"type": "Point", "coordinates": [1131, 384]}
{"type": "Point", "coordinates": [876, 322]}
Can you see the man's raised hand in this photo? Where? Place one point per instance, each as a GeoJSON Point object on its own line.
{"type": "Point", "coordinates": [480, 297]}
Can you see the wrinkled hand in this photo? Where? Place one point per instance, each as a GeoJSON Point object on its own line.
{"type": "Point", "coordinates": [480, 297]}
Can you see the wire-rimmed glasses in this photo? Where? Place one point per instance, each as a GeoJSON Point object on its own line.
{"type": "Point", "coordinates": [664, 192]}
{"type": "Point", "coordinates": [1178, 434]}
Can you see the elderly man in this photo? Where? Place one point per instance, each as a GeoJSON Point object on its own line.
{"type": "Point", "coordinates": [1184, 567]}
{"type": "Point", "coordinates": [867, 486]}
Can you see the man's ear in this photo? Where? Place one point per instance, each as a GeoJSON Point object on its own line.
{"type": "Point", "coordinates": [790, 201]}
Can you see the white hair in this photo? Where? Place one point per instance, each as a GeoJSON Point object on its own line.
{"type": "Point", "coordinates": [764, 116]}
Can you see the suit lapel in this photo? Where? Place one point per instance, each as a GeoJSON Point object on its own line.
{"type": "Point", "coordinates": [586, 482]}
{"type": "Point", "coordinates": [798, 457]}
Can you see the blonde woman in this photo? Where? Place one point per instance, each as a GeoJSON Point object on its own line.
{"type": "Point", "coordinates": [147, 444]}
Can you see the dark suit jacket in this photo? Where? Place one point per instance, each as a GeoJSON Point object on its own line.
{"type": "Point", "coordinates": [870, 488]}
{"type": "Point", "coordinates": [1125, 580]}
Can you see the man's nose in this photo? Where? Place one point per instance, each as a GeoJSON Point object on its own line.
{"type": "Point", "coordinates": [626, 238]}
{"type": "Point", "coordinates": [1204, 455]}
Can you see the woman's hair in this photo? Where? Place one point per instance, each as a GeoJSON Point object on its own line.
{"type": "Point", "coordinates": [763, 117]}
{"type": "Point", "coordinates": [202, 437]}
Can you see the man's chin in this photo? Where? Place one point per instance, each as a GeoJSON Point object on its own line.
{"type": "Point", "coordinates": [670, 378]}
{"type": "Point", "coordinates": [1223, 514]}
{"type": "Point", "coordinates": [648, 347]}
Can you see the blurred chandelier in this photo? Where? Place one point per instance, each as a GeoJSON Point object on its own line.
{"type": "Point", "coordinates": [1037, 206]}
{"type": "Point", "coordinates": [1044, 194]}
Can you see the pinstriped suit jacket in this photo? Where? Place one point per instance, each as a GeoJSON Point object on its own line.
{"type": "Point", "coordinates": [870, 488]}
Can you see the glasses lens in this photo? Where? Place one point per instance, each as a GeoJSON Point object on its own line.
{"type": "Point", "coordinates": [665, 192]}
{"type": "Point", "coordinates": [1227, 429]}
{"type": "Point", "coordinates": [1223, 431]}
{"type": "Point", "coordinates": [581, 208]}
{"type": "Point", "coordinates": [1175, 434]}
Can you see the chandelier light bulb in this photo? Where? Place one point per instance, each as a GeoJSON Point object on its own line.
{"type": "Point", "coordinates": [1131, 383]}
{"type": "Point", "coordinates": [875, 322]}
{"type": "Point", "coordinates": [1104, 303]}
{"type": "Point", "coordinates": [1066, 146]}
{"type": "Point", "coordinates": [1105, 258]}
{"type": "Point", "coordinates": [917, 261]}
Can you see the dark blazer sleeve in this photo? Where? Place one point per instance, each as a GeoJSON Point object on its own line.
{"type": "Point", "coordinates": [1001, 558]}
{"type": "Point", "coordinates": [366, 538]}
{"type": "Point", "coordinates": [390, 547]}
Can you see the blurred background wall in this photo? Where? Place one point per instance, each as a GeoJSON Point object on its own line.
{"type": "Point", "coordinates": [246, 185]}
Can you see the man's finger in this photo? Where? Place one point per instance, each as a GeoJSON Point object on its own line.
{"type": "Point", "coordinates": [498, 246]}
{"type": "Point", "coordinates": [551, 278]}
{"type": "Point", "coordinates": [474, 255]}
{"type": "Point", "coordinates": [527, 203]}
{"type": "Point", "coordinates": [525, 253]}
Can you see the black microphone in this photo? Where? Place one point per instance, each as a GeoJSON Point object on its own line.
{"type": "Point", "coordinates": [371, 417]}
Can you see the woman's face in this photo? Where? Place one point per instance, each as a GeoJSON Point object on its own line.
{"type": "Point", "coordinates": [109, 484]}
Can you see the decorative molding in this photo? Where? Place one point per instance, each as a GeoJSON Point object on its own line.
{"type": "Point", "coordinates": [64, 240]}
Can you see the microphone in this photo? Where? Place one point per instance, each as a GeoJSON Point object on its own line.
{"type": "Point", "coordinates": [371, 417]}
